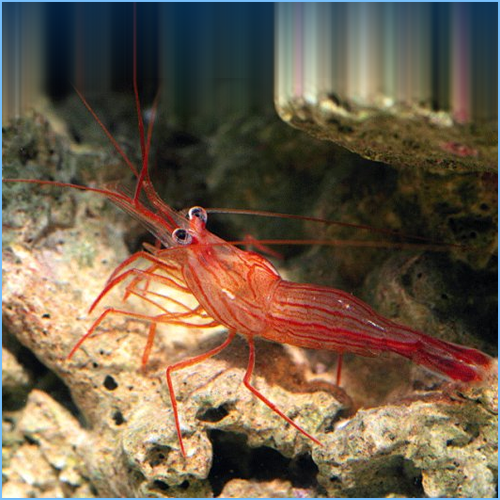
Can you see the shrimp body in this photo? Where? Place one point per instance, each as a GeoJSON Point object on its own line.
{"type": "Point", "coordinates": [244, 292]}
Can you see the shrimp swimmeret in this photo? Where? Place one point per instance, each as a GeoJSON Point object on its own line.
{"type": "Point", "coordinates": [243, 292]}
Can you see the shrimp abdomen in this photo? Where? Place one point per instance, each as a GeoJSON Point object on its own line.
{"type": "Point", "coordinates": [319, 317]}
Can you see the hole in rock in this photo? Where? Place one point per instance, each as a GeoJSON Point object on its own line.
{"type": "Point", "coordinates": [233, 458]}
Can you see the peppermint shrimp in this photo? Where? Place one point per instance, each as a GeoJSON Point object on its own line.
{"type": "Point", "coordinates": [243, 292]}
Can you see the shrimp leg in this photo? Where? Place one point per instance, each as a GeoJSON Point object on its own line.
{"type": "Point", "coordinates": [152, 334]}
{"type": "Point", "coordinates": [143, 295]}
{"type": "Point", "coordinates": [145, 275]}
{"type": "Point", "coordinates": [172, 318]}
{"type": "Point", "coordinates": [162, 263]}
{"type": "Point", "coordinates": [247, 381]}
{"type": "Point", "coordinates": [149, 345]}
{"type": "Point", "coordinates": [183, 364]}
{"type": "Point", "coordinates": [136, 256]}
{"type": "Point", "coordinates": [98, 321]}
{"type": "Point", "coordinates": [340, 358]}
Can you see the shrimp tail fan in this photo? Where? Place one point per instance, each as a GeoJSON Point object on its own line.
{"type": "Point", "coordinates": [455, 361]}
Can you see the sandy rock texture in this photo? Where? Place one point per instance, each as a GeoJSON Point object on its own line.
{"type": "Point", "coordinates": [99, 425]}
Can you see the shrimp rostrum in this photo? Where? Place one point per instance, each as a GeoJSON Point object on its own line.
{"type": "Point", "coordinates": [243, 292]}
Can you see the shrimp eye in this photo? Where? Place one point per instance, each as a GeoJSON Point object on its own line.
{"type": "Point", "coordinates": [182, 237]}
{"type": "Point", "coordinates": [198, 212]}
